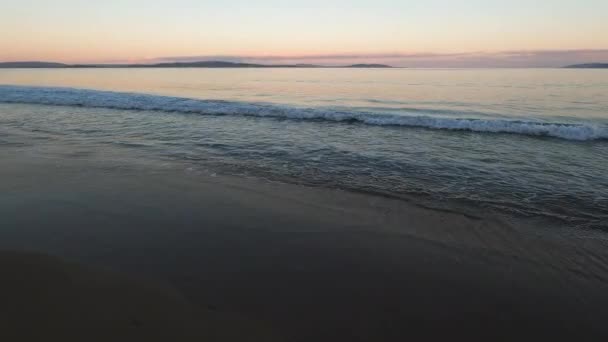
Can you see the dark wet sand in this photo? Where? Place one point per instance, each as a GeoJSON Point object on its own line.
{"type": "Point", "coordinates": [46, 298]}
{"type": "Point", "coordinates": [306, 264]}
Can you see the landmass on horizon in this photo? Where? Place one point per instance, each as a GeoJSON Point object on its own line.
{"type": "Point", "coordinates": [200, 64]}
{"type": "Point", "coordinates": [588, 66]}
{"type": "Point", "coordinates": [225, 64]}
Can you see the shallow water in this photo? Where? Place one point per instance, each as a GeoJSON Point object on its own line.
{"type": "Point", "coordinates": [525, 143]}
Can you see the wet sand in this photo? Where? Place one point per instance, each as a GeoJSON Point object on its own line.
{"type": "Point", "coordinates": [46, 298]}
{"type": "Point", "coordinates": [307, 264]}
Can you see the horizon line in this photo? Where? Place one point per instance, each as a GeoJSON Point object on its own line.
{"type": "Point", "coordinates": [546, 58]}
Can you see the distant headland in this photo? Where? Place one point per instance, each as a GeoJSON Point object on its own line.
{"type": "Point", "coordinates": [32, 65]}
{"type": "Point", "coordinates": [202, 64]}
{"type": "Point", "coordinates": [588, 66]}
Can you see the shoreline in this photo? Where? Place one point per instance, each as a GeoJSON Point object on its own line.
{"type": "Point", "coordinates": [315, 264]}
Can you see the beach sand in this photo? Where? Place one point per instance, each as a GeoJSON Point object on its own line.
{"type": "Point", "coordinates": [46, 298]}
{"type": "Point", "coordinates": [291, 262]}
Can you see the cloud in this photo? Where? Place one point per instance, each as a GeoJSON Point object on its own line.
{"type": "Point", "coordinates": [513, 58]}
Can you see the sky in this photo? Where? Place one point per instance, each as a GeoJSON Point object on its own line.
{"type": "Point", "coordinates": [416, 33]}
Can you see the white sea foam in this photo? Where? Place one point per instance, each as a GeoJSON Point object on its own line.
{"type": "Point", "coordinates": [133, 101]}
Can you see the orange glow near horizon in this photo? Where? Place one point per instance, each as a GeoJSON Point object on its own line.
{"type": "Point", "coordinates": [114, 31]}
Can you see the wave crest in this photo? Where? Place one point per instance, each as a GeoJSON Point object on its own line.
{"type": "Point", "coordinates": [133, 101]}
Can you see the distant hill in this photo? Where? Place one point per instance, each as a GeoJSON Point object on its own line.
{"type": "Point", "coordinates": [205, 64]}
{"type": "Point", "coordinates": [201, 64]}
{"type": "Point", "coordinates": [32, 65]}
{"type": "Point", "coordinates": [302, 65]}
{"type": "Point", "coordinates": [369, 66]}
{"type": "Point", "coordinates": [589, 66]}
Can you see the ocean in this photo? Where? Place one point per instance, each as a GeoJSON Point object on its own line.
{"type": "Point", "coordinates": [524, 144]}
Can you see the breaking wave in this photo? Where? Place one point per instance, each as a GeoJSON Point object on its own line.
{"type": "Point", "coordinates": [133, 101]}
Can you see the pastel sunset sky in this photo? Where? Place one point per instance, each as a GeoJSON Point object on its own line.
{"type": "Point", "coordinates": [423, 33]}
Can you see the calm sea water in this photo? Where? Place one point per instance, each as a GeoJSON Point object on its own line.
{"type": "Point", "coordinates": [529, 143]}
